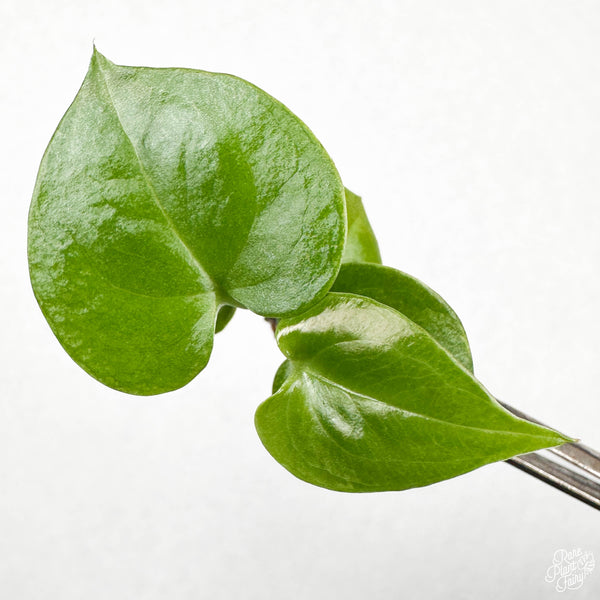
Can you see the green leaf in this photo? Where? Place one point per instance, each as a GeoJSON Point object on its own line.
{"type": "Point", "coordinates": [224, 315]}
{"type": "Point", "coordinates": [282, 373]}
{"type": "Point", "coordinates": [164, 195]}
{"type": "Point", "coordinates": [413, 299]}
{"type": "Point", "coordinates": [372, 402]}
{"type": "Point", "coordinates": [408, 296]}
{"type": "Point", "coordinates": [361, 244]}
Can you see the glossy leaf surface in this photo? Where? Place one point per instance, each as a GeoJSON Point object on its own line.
{"type": "Point", "coordinates": [224, 315]}
{"type": "Point", "coordinates": [361, 243]}
{"type": "Point", "coordinates": [164, 195]}
{"type": "Point", "coordinates": [372, 402]}
{"type": "Point", "coordinates": [413, 299]}
{"type": "Point", "coordinates": [408, 296]}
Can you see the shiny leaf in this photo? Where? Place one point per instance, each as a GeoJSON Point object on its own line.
{"type": "Point", "coordinates": [413, 299]}
{"type": "Point", "coordinates": [372, 402]}
{"type": "Point", "coordinates": [224, 315]}
{"type": "Point", "coordinates": [361, 244]}
{"type": "Point", "coordinates": [408, 296]}
{"type": "Point", "coordinates": [165, 195]}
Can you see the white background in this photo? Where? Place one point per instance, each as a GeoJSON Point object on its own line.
{"type": "Point", "coordinates": [471, 129]}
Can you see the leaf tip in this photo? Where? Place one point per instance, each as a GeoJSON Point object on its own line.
{"type": "Point", "coordinates": [98, 57]}
{"type": "Point", "coordinates": [567, 439]}
{"type": "Point", "coordinates": [556, 438]}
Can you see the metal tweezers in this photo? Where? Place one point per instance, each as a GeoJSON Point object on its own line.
{"type": "Point", "coordinates": [572, 468]}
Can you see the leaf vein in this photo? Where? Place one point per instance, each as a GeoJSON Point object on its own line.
{"type": "Point", "coordinates": [194, 259]}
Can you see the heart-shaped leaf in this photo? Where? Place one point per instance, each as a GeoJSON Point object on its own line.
{"type": "Point", "coordinates": [165, 195]}
{"type": "Point", "coordinates": [372, 402]}
{"type": "Point", "coordinates": [361, 244]}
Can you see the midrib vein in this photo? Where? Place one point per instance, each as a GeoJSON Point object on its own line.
{"type": "Point", "coordinates": [194, 260]}
{"type": "Point", "coordinates": [346, 390]}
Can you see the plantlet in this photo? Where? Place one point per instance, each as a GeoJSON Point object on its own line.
{"type": "Point", "coordinates": [168, 198]}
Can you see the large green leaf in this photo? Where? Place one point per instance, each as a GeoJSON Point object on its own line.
{"type": "Point", "coordinates": [371, 402]}
{"type": "Point", "coordinates": [361, 243]}
{"type": "Point", "coordinates": [413, 299]}
{"type": "Point", "coordinates": [164, 196]}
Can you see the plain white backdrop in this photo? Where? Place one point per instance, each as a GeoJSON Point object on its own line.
{"type": "Point", "coordinates": [471, 129]}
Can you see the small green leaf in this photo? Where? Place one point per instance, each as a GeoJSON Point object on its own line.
{"type": "Point", "coordinates": [361, 244]}
{"type": "Point", "coordinates": [282, 373]}
{"type": "Point", "coordinates": [372, 402]}
{"type": "Point", "coordinates": [413, 299]}
{"type": "Point", "coordinates": [224, 315]}
{"type": "Point", "coordinates": [164, 195]}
